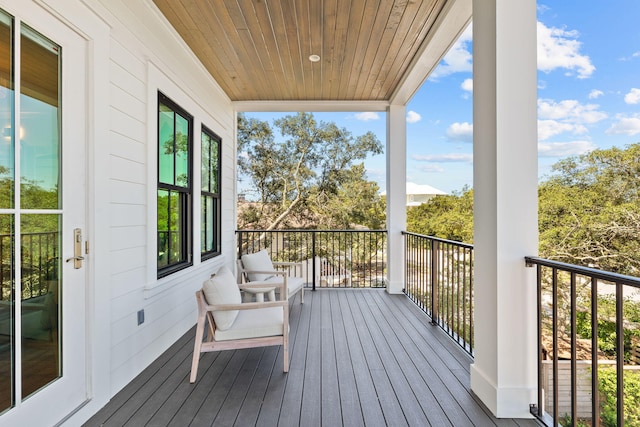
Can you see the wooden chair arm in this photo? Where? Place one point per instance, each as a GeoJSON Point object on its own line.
{"type": "Point", "coordinates": [273, 272]}
{"type": "Point", "coordinates": [261, 285]}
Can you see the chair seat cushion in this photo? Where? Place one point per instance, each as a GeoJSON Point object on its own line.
{"type": "Point", "coordinates": [261, 322]}
{"type": "Point", "coordinates": [294, 284]}
{"type": "Point", "coordinates": [259, 261]}
{"type": "Point", "coordinates": [222, 288]}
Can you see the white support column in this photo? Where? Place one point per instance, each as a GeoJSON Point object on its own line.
{"type": "Point", "coordinates": [396, 195]}
{"type": "Point", "coordinates": [505, 211]}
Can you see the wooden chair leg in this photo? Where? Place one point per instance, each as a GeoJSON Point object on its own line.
{"type": "Point", "coordinates": [285, 355]}
{"type": "Point", "coordinates": [197, 345]}
{"type": "Point", "coordinates": [285, 339]}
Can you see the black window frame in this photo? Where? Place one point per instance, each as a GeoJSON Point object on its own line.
{"type": "Point", "coordinates": [185, 194]}
{"type": "Point", "coordinates": [216, 249]}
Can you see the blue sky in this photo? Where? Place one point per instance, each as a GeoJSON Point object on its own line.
{"type": "Point", "coordinates": [588, 96]}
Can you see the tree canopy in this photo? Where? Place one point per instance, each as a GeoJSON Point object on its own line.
{"type": "Point", "coordinates": [589, 211]}
{"type": "Point", "coordinates": [448, 217]}
{"type": "Point", "coordinates": [309, 176]}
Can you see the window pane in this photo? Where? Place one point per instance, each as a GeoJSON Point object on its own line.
{"type": "Point", "coordinates": [207, 219]}
{"type": "Point", "coordinates": [171, 214]}
{"type": "Point", "coordinates": [6, 114]}
{"type": "Point", "coordinates": [39, 133]}
{"type": "Point", "coordinates": [210, 163]}
{"type": "Point", "coordinates": [206, 161]}
{"type": "Point", "coordinates": [182, 151]}
{"type": "Point", "coordinates": [163, 228]}
{"type": "Point", "coordinates": [175, 228]}
{"type": "Point", "coordinates": [215, 166]}
{"type": "Point", "coordinates": [165, 145]}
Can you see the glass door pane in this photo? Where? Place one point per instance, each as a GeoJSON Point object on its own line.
{"type": "Point", "coordinates": [39, 122]}
{"type": "Point", "coordinates": [39, 138]}
{"type": "Point", "coordinates": [6, 113]}
{"type": "Point", "coordinates": [40, 243]}
{"type": "Point", "coordinates": [7, 259]}
{"type": "Point", "coordinates": [7, 324]}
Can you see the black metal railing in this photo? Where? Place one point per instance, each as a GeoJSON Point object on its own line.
{"type": "Point", "coordinates": [588, 346]}
{"type": "Point", "coordinates": [329, 258]}
{"type": "Point", "coordinates": [40, 264]}
{"type": "Point", "coordinates": [439, 279]}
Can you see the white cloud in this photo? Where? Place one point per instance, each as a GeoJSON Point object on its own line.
{"type": "Point", "coordinates": [570, 111]}
{"type": "Point", "coordinates": [562, 149]}
{"type": "Point", "coordinates": [413, 117]}
{"type": "Point", "coordinates": [467, 85]}
{"type": "Point", "coordinates": [595, 93]}
{"type": "Point", "coordinates": [444, 158]}
{"type": "Point", "coordinates": [460, 132]}
{"type": "Point", "coordinates": [458, 58]}
{"type": "Point", "coordinates": [431, 168]}
{"type": "Point", "coordinates": [558, 48]}
{"type": "Point", "coordinates": [569, 115]}
{"type": "Point", "coordinates": [367, 115]}
{"type": "Point", "coordinates": [633, 97]}
{"type": "Point", "coordinates": [633, 55]}
{"type": "Point", "coordinates": [625, 125]}
{"type": "Point", "coordinates": [549, 128]}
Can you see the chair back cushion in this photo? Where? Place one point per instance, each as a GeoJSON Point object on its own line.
{"type": "Point", "coordinates": [258, 261]}
{"type": "Point", "coordinates": [222, 288]}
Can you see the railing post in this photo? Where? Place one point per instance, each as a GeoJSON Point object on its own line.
{"type": "Point", "coordinates": [620, 353]}
{"type": "Point", "coordinates": [239, 244]}
{"type": "Point", "coordinates": [435, 247]}
{"type": "Point", "coordinates": [313, 259]}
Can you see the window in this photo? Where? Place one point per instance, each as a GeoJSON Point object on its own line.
{"type": "Point", "coordinates": [210, 194]}
{"type": "Point", "coordinates": [175, 130]}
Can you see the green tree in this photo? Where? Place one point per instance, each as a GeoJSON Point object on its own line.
{"type": "Point", "coordinates": [300, 177]}
{"type": "Point", "coordinates": [589, 210]}
{"type": "Point", "coordinates": [448, 217]}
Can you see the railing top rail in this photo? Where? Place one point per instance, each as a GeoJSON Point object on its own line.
{"type": "Point", "coordinates": [585, 271]}
{"type": "Point", "coordinates": [310, 230]}
{"type": "Point", "coordinates": [438, 239]}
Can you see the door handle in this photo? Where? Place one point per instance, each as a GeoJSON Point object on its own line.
{"type": "Point", "coordinates": [77, 257]}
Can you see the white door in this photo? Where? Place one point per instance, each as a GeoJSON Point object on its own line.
{"type": "Point", "coordinates": [42, 218]}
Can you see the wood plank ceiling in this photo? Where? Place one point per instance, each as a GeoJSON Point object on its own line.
{"type": "Point", "coordinates": [258, 50]}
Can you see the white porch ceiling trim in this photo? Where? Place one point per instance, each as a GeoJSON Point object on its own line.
{"type": "Point", "coordinates": [453, 20]}
{"type": "Point", "coordinates": [320, 106]}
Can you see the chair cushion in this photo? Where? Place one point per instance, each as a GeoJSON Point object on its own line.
{"type": "Point", "coordinates": [222, 288]}
{"type": "Point", "coordinates": [294, 284]}
{"type": "Point", "coordinates": [260, 322]}
{"type": "Point", "coordinates": [259, 261]}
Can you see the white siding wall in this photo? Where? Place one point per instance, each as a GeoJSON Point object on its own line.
{"type": "Point", "coordinates": [133, 54]}
{"type": "Point", "coordinates": [146, 58]}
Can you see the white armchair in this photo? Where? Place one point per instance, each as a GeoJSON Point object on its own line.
{"type": "Point", "coordinates": [258, 267]}
{"type": "Point", "coordinates": [231, 324]}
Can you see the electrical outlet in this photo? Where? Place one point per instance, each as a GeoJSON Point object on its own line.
{"type": "Point", "coordinates": [140, 317]}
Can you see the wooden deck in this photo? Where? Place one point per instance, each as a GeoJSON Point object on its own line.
{"type": "Point", "coordinates": [358, 357]}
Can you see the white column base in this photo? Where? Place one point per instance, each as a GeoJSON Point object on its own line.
{"type": "Point", "coordinates": [395, 288]}
{"type": "Point", "coordinates": [504, 402]}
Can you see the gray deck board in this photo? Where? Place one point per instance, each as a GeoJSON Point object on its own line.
{"type": "Point", "coordinates": [358, 357]}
